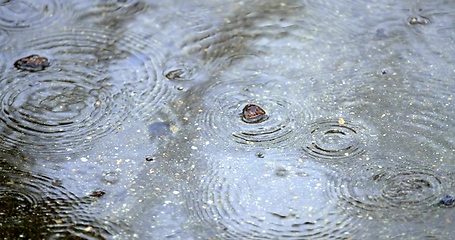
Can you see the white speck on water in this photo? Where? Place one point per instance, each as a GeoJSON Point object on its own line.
{"type": "Point", "coordinates": [176, 192]}
{"type": "Point", "coordinates": [194, 147]}
{"type": "Point", "coordinates": [84, 159]}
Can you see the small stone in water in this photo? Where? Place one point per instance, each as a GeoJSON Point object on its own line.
{"type": "Point", "coordinates": [32, 63]}
{"type": "Point", "coordinates": [418, 20]}
{"type": "Point", "coordinates": [253, 113]}
{"type": "Point", "coordinates": [98, 193]}
{"type": "Point", "coordinates": [447, 200]}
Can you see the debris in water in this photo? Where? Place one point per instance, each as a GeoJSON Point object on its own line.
{"type": "Point", "coordinates": [253, 113]}
{"type": "Point", "coordinates": [447, 200]}
{"type": "Point", "coordinates": [32, 63]}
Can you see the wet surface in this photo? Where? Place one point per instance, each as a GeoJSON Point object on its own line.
{"type": "Point", "coordinates": [227, 120]}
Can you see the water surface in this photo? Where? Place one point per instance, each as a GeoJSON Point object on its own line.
{"type": "Point", "coordinates": [136, 127]}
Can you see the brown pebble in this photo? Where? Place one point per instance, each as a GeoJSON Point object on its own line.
{"type": "Point", "coordinates": [97, 193]}
{"type": "Point", "coordinates": [252, 113]}
{"type": "Point", "coordinates": [32, 63]}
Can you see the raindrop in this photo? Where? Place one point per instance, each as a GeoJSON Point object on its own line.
{"type": "Point", "coordinates": [179, 69]}
{"type": "Point", "coordinates": [335, 139]}
{"type": "Point", "coordinates": [184, 73]}
{"type": "Point", "coordinates": [111, 177]}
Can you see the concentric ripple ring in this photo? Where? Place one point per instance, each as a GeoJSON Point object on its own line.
{"type": "Point", "coordinates": [335, 139]}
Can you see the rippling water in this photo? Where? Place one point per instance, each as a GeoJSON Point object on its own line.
{"type": "Point", "coordinates": [227, 120]}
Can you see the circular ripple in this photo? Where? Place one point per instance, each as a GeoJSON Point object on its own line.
{"type": "Point", "coordinates": [57, 113]}
{"type": "Point", "coordinates": [221, 119]}
{"type": "Point", "coordinates": [183, 72]}
{"type": "Point", "coordinates": [35, 206]}
{"type": "Point", "coordinates": [393, 192]}
{"type": "Point", "coordinates": [108, 12]}
{"type": "Point", "coordinates": [280, 196]}
{"type": "Point", "coordinates": [24, 14]}
{"type": "Point", "coordinates": [69, 104]}
{"type": "Point", "coordinates": [137, 66]}
{"type": "Point", "coordinates": [78, 47]}
{"type": "Point", "coordinates": [335, 139]}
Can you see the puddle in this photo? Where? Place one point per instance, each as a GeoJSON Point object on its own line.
{"type": "Point", "coordinates": [227, 120]}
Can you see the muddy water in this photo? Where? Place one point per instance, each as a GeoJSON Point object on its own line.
{"type": "Point", "coordinates": [227, 120]}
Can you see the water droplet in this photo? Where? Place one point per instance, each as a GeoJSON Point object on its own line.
{"type": "Point", "coordinates": [111, 177]}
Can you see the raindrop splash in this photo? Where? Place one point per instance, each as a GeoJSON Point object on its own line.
{"type": "Point", "coordinates": [335, 139]}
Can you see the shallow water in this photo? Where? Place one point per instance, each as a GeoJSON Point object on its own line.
{"type": "Point", "coordinates": [136, 127]}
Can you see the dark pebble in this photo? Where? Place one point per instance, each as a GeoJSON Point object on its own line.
{"type": "Point", "coordinates": [97, 193]}
{"type": "Point", "coordinates": [253, 113]}
{"type": "Point", "coordinates": [447, 200]}
{"type": "Point", "coordinates": [32, 63]}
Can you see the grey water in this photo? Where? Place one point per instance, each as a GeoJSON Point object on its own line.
{"type": "Point", "coordinates": [227, 119]}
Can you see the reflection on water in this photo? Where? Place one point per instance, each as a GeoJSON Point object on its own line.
{"type": "Point", "coordinates": [278, 196]}
{"type": "Point", "coordinates": [227, 120]}
{"type": "Point", "coordinates": [36, 206]}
